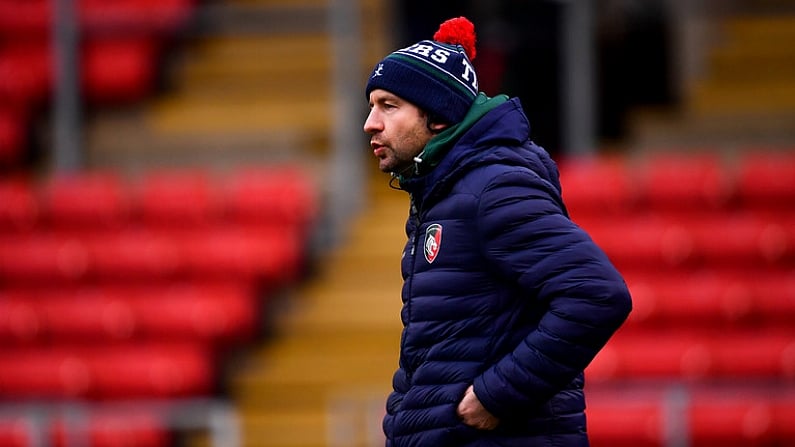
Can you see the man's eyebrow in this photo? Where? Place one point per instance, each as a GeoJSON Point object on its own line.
{"type": "Point", "coordinates": [388, 98]}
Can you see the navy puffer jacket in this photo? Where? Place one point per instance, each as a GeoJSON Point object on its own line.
{"type": "Point", "coordinates": [501, 290]}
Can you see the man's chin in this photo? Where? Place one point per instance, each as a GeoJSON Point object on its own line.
{"type": "Point", "coordinates": [386, 167]}
{"type": "Point", "coordinates": [390, 166]}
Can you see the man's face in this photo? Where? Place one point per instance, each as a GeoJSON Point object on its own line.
{"type": "Point", "coordinates": [398, 131]}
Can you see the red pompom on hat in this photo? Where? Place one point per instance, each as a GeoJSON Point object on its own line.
{"type": "Point", "coordinates": [458, 31]}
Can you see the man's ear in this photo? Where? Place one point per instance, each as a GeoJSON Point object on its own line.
{"type": "Point", "coordinates": [436, 127]}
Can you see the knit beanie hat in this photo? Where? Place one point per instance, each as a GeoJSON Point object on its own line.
{"type": "Point", "coordinates": [435, 75]}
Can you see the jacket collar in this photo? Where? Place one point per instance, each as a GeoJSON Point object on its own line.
{"type": "Point", "coordinates": [438, 146]}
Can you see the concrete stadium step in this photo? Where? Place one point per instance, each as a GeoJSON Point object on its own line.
{"type": "Point", "coordinates": [746, 94]}
{"type": "Point", "coordinates": [751, 70]}
{"type": "Point", "coordinates": [258, 56]}
{"type": "Point", "coordinates": [739, 98]}
{"type": "Point", "coordinates": [655, 130]}
{"type": "Point", "coordinates": [364, 310]}
{"type": "Point", "coordinates": [338, 426]}
{"type": "Point", "coordinates": [282, 428]}
{"type": "Point", "coordinates": [285, 428]}
{"type": "Point", "coordinates": [780, 28]}
{"type": "Point", "coordinates": [206, 115]}
{"type": "Point", "coordinates": [129, 140]}
{"type": "Point", "coordinates": [288, 376]}
{"type": "Point", "coordinates": [251, 84]}
{"type": "Point", "coordinates": [752, 62]}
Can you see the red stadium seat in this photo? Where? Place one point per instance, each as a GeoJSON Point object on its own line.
{"type": "Point", "coordinates": [86, 200]}
{"type": "Point", "coordinates": [625, 422]}
{"type": "Point", "coordinates": [596, 186]}
{"type": "Point", "coordinates": [651, 355]}
{"type": "Point", "coordinates": [283, 195]}
{"type": "Point", "coordinates": [86, 315]}
{"type": "Point", "coordinates": [766, 179]}
{"type": "Point", "coordinates": [696, 355]}
{"type": "Point", "coordinates": [741, 239]}
{"type": "Point", "coordinates": [119, 70]}
{"type": "Point", "coordinates": [106, 371]}
{"type": "Point", "coordinates": [726, 239]}
{"type": "Point", "coordinates": [712, 297]}
{"type": "Point", "coordinates": [231, 252]}
{"type": "Point", "coordinates": [14, 432]}
{"type": "Point", "coordinates": [774, 296]}
{"type": "Point", "coordinates": [178, 198]}
{"type": "Point", "coordinates": [40, 257]}
{"type": "Point", "coordinates": [148, 17]}
{"type": "Point", "coordinates": [26, 73]}
{"type": "Point", "coordinates": [688, 299]}
{"type": "Point", "coordinates": [643, 241]}
{"type": "Point", "coordinates": [134, 254]}
{"type": "Point", "coordinates": [20, 318]}
{"type": "Point", "coordinates": [243, 252]}
{"type": "Point", "coordinates": [19, 205]}
{"type": "Point", "coordinates": [763, 354]}
{"type": "Point", "coordinates": [783, 412]}
{"type": "Point", "coordinates": [212, 312]}
{"type": "Point", "coordinates": [33, 18]}
{"type": "Point", "coordinates": [699, 416]}
{"type": "Point", "coordinates": [684, 182]}
{"type": "Point", "coordinates": [728, 421]}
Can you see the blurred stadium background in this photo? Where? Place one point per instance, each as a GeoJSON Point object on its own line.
{"type": "Point", "coordinates": [197, 250]}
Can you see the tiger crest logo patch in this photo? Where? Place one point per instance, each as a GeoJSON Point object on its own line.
{"type": "Point", "coordinates": [433, 242]}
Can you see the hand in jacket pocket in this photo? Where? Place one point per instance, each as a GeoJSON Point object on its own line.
{"type": "Point", "coordinates": [474, 414]}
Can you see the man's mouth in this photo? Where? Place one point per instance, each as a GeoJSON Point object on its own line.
{"type": "Point", "coordinates": [378, 149]}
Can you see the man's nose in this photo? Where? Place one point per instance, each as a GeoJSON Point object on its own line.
{"type": "Point", "coordinates": [372, 124]}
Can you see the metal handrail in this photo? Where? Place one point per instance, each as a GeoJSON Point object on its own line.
{"type": "Point", "coordinates": [218, 417]}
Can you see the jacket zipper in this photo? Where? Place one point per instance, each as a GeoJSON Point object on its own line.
{"type": "Point", "coordinates": [415, 217]}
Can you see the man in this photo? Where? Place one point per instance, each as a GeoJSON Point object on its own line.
{"type": "Point", "coordinates": [505, 300]}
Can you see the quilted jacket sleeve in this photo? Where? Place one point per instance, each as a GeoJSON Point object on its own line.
{"type": "Point", "coordinates": [528, 239]}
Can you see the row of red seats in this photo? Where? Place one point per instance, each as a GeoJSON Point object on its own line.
{"type": "Point", "coordinates": [121, 43]}
{"type": "Point", "coordinates": [272, 255]}
{"type": "Point", "coordinates": [711, 298]}
{"type": "Point", "coordinates": [114, 70]}
{"type": "Point", "coordinates": [757, 178]}
{"type": "Point", "coordinates": [707, 246]}
{"type": "Point", "coordinates": [218, 313]}
{"type": "Point", "coordinates": [719, 238]}
{"type": "Point", "coordinates": [226, 309]}
{"type": "Point", "coordinates": [700, 417]}
{"type": "Point", "coordinates": [281, 195]}
{"type": "Point", "coordinates": [100, 272]}
{"type": "Point", "coordinates": [697, 354]}
{"type": "Point", "coordinates": [107, 371]}
{"type": "Point", "coordinates": [25, 19]}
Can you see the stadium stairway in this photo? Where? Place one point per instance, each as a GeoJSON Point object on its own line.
{"type": "Point", "coordinates": [743, 92]}
{"type": "Point", "coordinates": [251, 84]}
